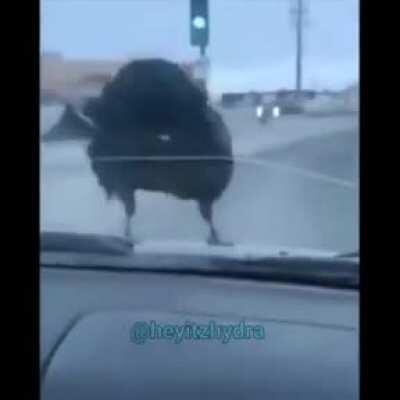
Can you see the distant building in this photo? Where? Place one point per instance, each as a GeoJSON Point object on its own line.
{"type": "Point", "coordinates": [352, 97]}
{"type": "Point", "coordinates": [64, 78]}
{"type": "Point", "coordinates": [51, 56]}
{"type": "Point", "coordinates": [95, 79]}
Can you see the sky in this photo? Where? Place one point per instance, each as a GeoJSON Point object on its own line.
{"type": "Point", "coordinates": [252, 42]}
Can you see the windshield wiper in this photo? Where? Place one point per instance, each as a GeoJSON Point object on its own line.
{"type": "Point", "coordinates": [349, 254]}
{"type": "Point", "coordinates": [115, 254]}
{"type": "Point", "coordinates": [84, 243]}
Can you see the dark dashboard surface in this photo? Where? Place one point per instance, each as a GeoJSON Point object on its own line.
{"type": "Point", "coordinates": [310, 349]}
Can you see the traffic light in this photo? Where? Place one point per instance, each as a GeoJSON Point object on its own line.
{"type": "Point", "coordinates": [199, 23]}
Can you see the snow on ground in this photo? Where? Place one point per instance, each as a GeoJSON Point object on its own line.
{"type": "Point", "coordinates": [326, 105]}
{"type": "Point", "coordinates": [251, 138]}
{"type": "Point", "coordinates": [261, 204]}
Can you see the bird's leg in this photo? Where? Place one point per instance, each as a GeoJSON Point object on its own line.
{"type": "Point", "coordinates": [127, 229]}
{"type": "Point", "coordinates": [214, 239]}
{"type": "Point", "coordinates": [206, 212]}
{"type": "Point", "coordinates": [128, 200]}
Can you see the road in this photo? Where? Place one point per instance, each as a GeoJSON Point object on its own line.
{"type": "Point", "coordinates": [295, 184]}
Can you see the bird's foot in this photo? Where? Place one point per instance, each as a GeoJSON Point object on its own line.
{"type": "Point", "coordinates": [129, 236]}
{"type": "Point", "coordinates": [128, 232]}
{"type": "Point", "coordinates": [214, 240]}
{"type": "Point", "coordinates": [132, 241]}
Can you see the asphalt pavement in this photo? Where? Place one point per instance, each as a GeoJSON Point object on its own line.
{"type": "Point", "coordinates": [300, 192]}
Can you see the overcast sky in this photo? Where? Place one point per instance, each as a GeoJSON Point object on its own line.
{"type": "Point", "coordinates": [252, 42]}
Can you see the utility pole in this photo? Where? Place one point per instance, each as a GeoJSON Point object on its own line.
{"type": "Point", "coordinates": [298, 12]}
{"type": "Point", "coordinates": [299, 45]}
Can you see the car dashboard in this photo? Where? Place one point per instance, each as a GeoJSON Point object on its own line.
{"type": "Point", "coordinates": [310, 348]}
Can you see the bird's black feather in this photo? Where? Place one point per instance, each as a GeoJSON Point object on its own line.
{"type": "Point", "coordinates": [151, 108]}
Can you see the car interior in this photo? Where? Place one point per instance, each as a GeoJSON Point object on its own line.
{"type": "Point", "coordinates": [310, 348]}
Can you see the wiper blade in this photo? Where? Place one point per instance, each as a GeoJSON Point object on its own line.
{"type": "Point", "coordinates": [349, 254]}
{"type": "Point", "coordinates": [84, 243]}
{"type": "Point", "coordinates": [117, 255]}
{"type": "Point", "coordinates": [322, 271]}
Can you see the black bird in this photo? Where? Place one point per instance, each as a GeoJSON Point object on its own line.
{"type": "Point", "coordinates": [153, 109]}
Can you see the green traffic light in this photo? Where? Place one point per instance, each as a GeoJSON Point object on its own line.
{"type": "Point", "coordinates": [199, 22]}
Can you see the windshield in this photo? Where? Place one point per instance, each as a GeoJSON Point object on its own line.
{"type": "Point", "coordinates": [236, 123]}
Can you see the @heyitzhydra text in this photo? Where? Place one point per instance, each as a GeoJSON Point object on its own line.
{"type": "Point", "coordinates": [145, 331]}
